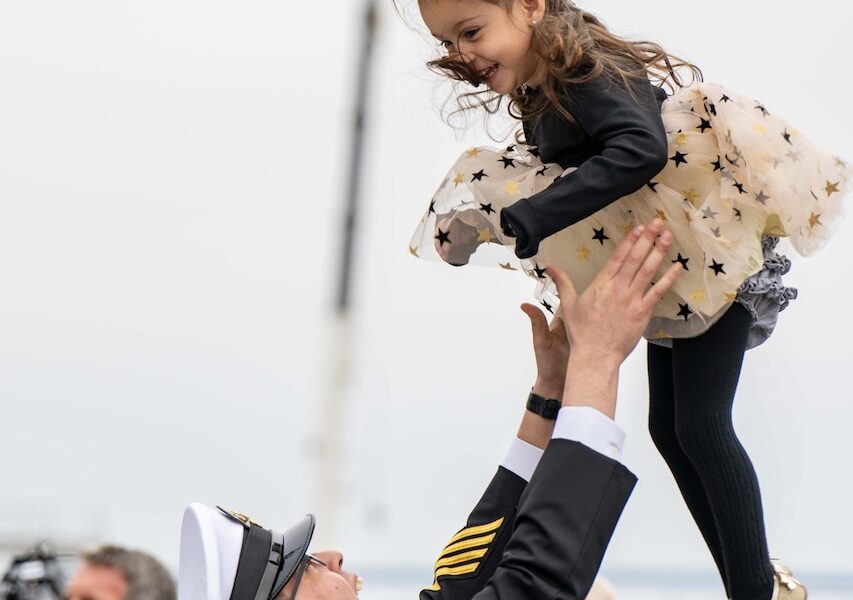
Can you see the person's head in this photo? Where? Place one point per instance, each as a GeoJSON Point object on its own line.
{"type": "Point", "coordinates": [114, 573]}
{"type": "Point", "coordinates": [227, 555]}
{"type": "Point", "coordinates": [544, 43]}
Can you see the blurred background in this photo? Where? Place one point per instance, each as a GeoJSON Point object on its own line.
{"type": "Point", "coordinates": [172, 183]}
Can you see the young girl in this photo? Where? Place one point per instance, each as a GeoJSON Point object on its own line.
{"type": "Point", "coordinates": [604, 150]}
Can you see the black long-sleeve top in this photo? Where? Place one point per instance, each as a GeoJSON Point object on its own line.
{"type": "Point", "coordinates": [618, 145]}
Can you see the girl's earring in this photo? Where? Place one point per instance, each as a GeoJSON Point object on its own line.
{"type": "Point", "coordinates": [533, 23]}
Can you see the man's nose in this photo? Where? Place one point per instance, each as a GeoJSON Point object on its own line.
{"type": "Point", "coordinates": [333, 559]}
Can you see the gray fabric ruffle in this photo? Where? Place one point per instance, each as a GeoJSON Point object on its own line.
{"type": "Point", "coordinates": [764, 295]}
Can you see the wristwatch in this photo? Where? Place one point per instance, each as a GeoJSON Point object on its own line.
{"type": "Point", "coordinates": [546, 408]}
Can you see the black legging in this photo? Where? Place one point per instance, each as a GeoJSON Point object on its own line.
{"type": "Point", "coordinates": [692, 389]}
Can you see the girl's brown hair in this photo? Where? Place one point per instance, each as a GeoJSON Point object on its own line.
{"type": "Point", "coordinates": [575, 47]}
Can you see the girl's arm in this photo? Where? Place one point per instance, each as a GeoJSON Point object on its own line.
{"type": "Point", "coordinates": [633, 145]}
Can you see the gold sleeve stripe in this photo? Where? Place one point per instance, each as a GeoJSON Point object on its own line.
{"type": "Point", "coordinates": [469, 543]}
{"type": "Point", "coordinates": [460, 558]}
{"type": "Point", "coordinates": [478, 530]}
{"type": "Point", "coordinates": [452, 571]}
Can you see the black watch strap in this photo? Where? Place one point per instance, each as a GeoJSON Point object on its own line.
{"type": "Point", "coordinates": [544, 407]}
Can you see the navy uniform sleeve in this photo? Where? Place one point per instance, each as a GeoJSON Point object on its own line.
{"type": "Point", "coordinates": [556, 540]}
{"type": "Point", "coordinates": [471, 556]}
{"type": "Point", "coordinates": [633, 145]}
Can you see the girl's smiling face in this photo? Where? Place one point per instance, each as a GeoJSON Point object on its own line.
{"type": "Point", "coordinates": [491, 38]}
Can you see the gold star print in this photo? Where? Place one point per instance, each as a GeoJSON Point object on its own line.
{"type": "Point", "coordinates": [414, 251]}
{"type": "Point", "coordinates": [691, 196]}
{"type": "Point", "coordinates": [627, 228]}
{"type": "Point", "coordinates": [485, 235]}
{"type": "Point", "coordinates": [731, 296]}
{"type": "Point", "coordinates": [831, 188]}
{"type": "Point", "coordinates": [698, 295]}
{"type": "Point", "coordinates": [814, 221]}
{"type": "Point", "coordinates": [660, 334]}
{"type": "Point", "coordinates": [660, 215]}
{"type": "Point", "coordinates": [681, 139]}
{"type": "Point", "coordinates": [507, 267]}
{"type": "Point", "coordinates": [458, 179]}
{"type": "Point", "coordinates": [473, 153]}
{"type": "Point", "coordinates": [582, 252]}
{"type": "Point", "coordinates": [511, 187]}
{"type": "Point", "coordinates": [759, 128]}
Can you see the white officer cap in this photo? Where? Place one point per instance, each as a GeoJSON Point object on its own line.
{"type": "Point", "coordinates": [227, 556]}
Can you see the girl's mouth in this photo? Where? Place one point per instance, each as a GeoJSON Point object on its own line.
{"type": "Point", "coordinates": [489, 72]}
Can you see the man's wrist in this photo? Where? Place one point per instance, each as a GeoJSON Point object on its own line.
{"type": "Point", "coordinates": [592, 380]}
{"type": "Point", "coordinates": [548, 389]}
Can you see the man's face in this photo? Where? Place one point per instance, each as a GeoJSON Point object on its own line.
{"type": "Point", "coordinates": [93, 582]}
{"type": "Point", "coordinates": [324, 583]}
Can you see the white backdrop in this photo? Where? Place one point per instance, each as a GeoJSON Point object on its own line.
{"type": "Point", "coordinates": [170, 177]}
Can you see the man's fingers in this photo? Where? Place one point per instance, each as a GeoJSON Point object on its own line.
{"type": "Point", "coordinates": [538, 322]}
{"type": "Point", "coordinates": [662, 286]}
{"type": "Point", "coordinates": [652, 263]}
{"type": "Point", "coordinates": [639, 251]}
{"type": "Point", "coordinates": [619, 255]}
{"type": "Point", "coordinates": [565, 288]}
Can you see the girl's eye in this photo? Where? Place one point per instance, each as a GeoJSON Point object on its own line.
{"type": "Point", "coordinates": [446, 45]}
{"type": "Point", "coordinates": [469, 34]}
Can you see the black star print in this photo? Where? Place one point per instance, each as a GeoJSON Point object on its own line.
{"type": "Point", "coordinates": [599, 235]}
{"type": "Point", "coordinates": [763, 110]}
{"type": "Point", "coordinates": [739, 187]}
{"type": "Point", "coordinates": [733, 162]}
{"type": "Point", "coordinates": [725, 99]}
{"type": "Point", "coordinates": [717, 268]}
{"type": "Point", "coordinates": [787, 137]}
{"type": "Point", "coordinates": [762, 197]}
{"type": "Point", "coordinates": [547, 306]}
{"type": "Point", "coordinates": [443, 237]}
{"type": "Point", "coordinates": [542, 170]}
{"type": "Point", "coordinates": [709, 213]}
{"type": "Point", "coordinates": [716, 232]}
{"type": "Point", "coordinates": [679, 158]}
{"type": "Point", "coordinates": [432, 206]}
{"type": "Point", "coordinates": [705, 124]}
{"type": "Point", "coordinates": [712, 109]}
{"type": "Point", "coordinates": [682, 260]}
{"type": "Point", "coordinates": [738, 216]}
{"type": "Point", "coordinates": [684, 311]}
{"type": "Point", "coordinates": [510, 148]}
{"type": "Point", "coordinates": [534, 151]}
{"type": "Point", "coordinates": [478, 176]}
{"type": "Point", "coordinates": [653, 185]}
{"type": "Point", "coordinates": [487, 208]}
{"type": "Point", "coordinates": [508, 162]}
{"type": "Point", "coordinates": [718, 164]}
{"type": "Point", "coordinates": [540, 273]}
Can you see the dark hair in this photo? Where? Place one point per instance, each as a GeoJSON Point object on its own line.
{"type": "Point", "coordinates": [575, 47]}
{"type": "Point", "coordinates": [146, 578]}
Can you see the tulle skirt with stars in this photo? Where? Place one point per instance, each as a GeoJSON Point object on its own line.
{"type": "Point", "coordinates": [737, 176]}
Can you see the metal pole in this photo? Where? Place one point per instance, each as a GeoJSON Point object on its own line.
{"type": "Point", "coordinates": [329, 485]}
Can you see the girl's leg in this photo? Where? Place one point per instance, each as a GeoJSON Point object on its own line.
{"type": "Point", "coordinates": [662, 430]}
{"type": "Point", "coordinates": [706, 371]}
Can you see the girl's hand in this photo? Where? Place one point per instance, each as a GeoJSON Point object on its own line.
{"type": "Point", "coordinates": [459, 234]}
{"type": "Point", "coordinates": [551, 349]}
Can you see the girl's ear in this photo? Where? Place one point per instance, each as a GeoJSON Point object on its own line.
{"type": "Point", "coordinates": [534, 10]}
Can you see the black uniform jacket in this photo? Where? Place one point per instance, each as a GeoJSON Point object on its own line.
{"type": "Point", "coordinates": [618, 145]}
{"type": "Point", "coordinates": [542, 540]}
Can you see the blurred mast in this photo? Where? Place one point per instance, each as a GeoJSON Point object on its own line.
{"type": "Point", "coordinates": [329, 490]}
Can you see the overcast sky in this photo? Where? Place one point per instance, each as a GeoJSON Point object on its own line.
{"type": "Point", "coordinates": [170, 181]}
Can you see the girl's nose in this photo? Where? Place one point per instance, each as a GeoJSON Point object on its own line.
{"type": "Point", "coordinates": [333, 559]}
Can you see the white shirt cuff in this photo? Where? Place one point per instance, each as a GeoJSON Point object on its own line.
{"type": "Point", "coordinates": [591, 428]}
{"type": "Point", "coordinates": [522, 458]}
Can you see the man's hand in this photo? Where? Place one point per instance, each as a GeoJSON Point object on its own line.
{"type": "Point", "coordinates": [551, 349]}
{"type": "Point", "coordinates": [606, 321]}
